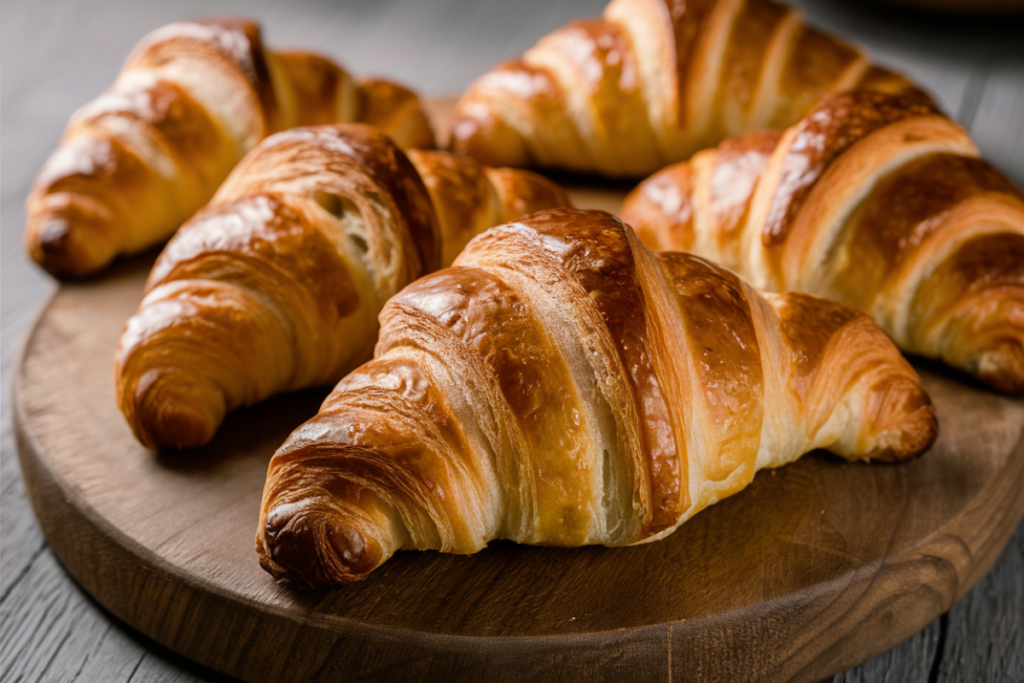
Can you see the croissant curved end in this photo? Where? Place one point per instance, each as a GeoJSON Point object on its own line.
{"type": "Point", "coordinates": [297, 542]}
{"type": "Point", "coordinates": [903, 420]}
{"type": "Point", "coordinates": [984, 335]}
{"type": "Point", "coordinates": [169, 411]}
{"type": "Point", "coordinates": [69, 242]}
{"type": "Point", "coordinates": [992, 346]}
{"type": "Point", "coordinates": [1003, 367]}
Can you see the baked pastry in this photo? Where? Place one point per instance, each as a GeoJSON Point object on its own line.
{"type": "Point", "coordinates": [191, 100]}
{"type": "Point", "coordinates": [877, 201]}
{"type": "Point", "coordinates": [277, 283]}
{"type": "Point", "coordinates": [653, 81]}
{"type": "Point", "coordinates": [564, 385]}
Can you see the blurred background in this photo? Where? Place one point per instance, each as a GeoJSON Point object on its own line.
{"type": "Point", "coordinates": [59, 54]}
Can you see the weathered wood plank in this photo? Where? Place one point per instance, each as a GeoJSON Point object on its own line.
{"type": "Point", "coordinates": [51, 631]}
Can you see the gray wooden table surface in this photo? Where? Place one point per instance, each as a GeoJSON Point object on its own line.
{"type": "Point", "coordinates": [57, 55]}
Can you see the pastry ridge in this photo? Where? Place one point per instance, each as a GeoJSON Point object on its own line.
{"type": "Point", "coordinates": [561, 384]}
{"type": "Point", "coordinates": [877, 201]}
{"type": "Point", "coordinates": [277, 283]}
{"type": "Point", "coordinates": [653, 81]}
{"type": "Point", "coordinates": [192, 99]}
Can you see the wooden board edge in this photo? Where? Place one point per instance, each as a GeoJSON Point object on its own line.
{"type": "Point", "coordinates": [89, 547]}
{"type": "Point", "coordinates": [931, 568]}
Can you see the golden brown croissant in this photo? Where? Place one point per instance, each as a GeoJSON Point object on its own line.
{"type": "Point", "coordinates": [277, 283]}
{"type": "Point", "coordinates": [877, 201]}
{"type": "Point", "coordinates": [191, 100]}
{"type": "Point", "coordinates": [653, 81]}
{"type": "Point", "coordinates": [564, 385]}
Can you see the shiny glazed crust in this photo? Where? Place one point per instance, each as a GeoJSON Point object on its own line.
{"type": "Point", "coordinates": [191, 100]}
{"type": "Point", "coordinates": [877, 201]}
{"type": "Point", "coordinates": [563, 385]}
{"type": "Point", "coordinates": [276, 284]}
{"type": "Point", "coordinates": [653, 81]}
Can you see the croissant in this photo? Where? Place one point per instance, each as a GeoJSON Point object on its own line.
{"type": "Point", "coordinates": [191, 100]}
{"type": "Point", "coordinates": [563, 385]}
{"type": "Point", "coordinates": [653, 81]}
{"type": "Point", "coordinates": [877, 201]}
{"type": "Point", "coordinates": [276, 285]}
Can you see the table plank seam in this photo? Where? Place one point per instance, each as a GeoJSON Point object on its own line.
{"type": "Point", "coordinates": [940, 649]}
{"type": "Point", "coordinates": [24, 571]}
{"type": "Point", "coordinates": [135, 670]}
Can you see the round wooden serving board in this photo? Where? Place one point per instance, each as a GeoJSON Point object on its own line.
{"type": "Point", "coordinates": [810, 570]}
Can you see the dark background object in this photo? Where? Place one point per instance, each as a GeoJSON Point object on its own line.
{"type": "Point", "coordinates": [57, 55]}
{"type": "Point", "coordinates": [964, 7]}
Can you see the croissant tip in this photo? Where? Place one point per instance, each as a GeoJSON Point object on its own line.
{"type": "Point", "coordinates": [325, 553]}
{"type": "Point", "coordinates": [168, 421]}
{"type": "Point", "coordinates": [64, 247]}
{"type": "Point", "coordinates": [54, 235]}
{"type": "Point", "coordinates": [180, 429]}
{"type": "Point", "coordinates": [50, 245]}
{"type": "Point", "coordinates": [1004, 370]}
{"type": "Point", "coordinates": [359, 553]}
{"type": "Point", "coordinates": [907, 422]}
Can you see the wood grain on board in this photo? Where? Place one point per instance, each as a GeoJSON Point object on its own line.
{"type": "Point", "coordinates": [812, 569]}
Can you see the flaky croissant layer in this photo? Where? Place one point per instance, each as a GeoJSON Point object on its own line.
{"type": "Point", "coordinates": [276, 284]}
{"type": "Point", "coordinates": [191, 100]}
{"type": "Point", "coordinates": [653, 81]}
{"type": "Point", "coordinates": [877, 201]}
{"type": "Point", "coordinates": [563, 385]}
